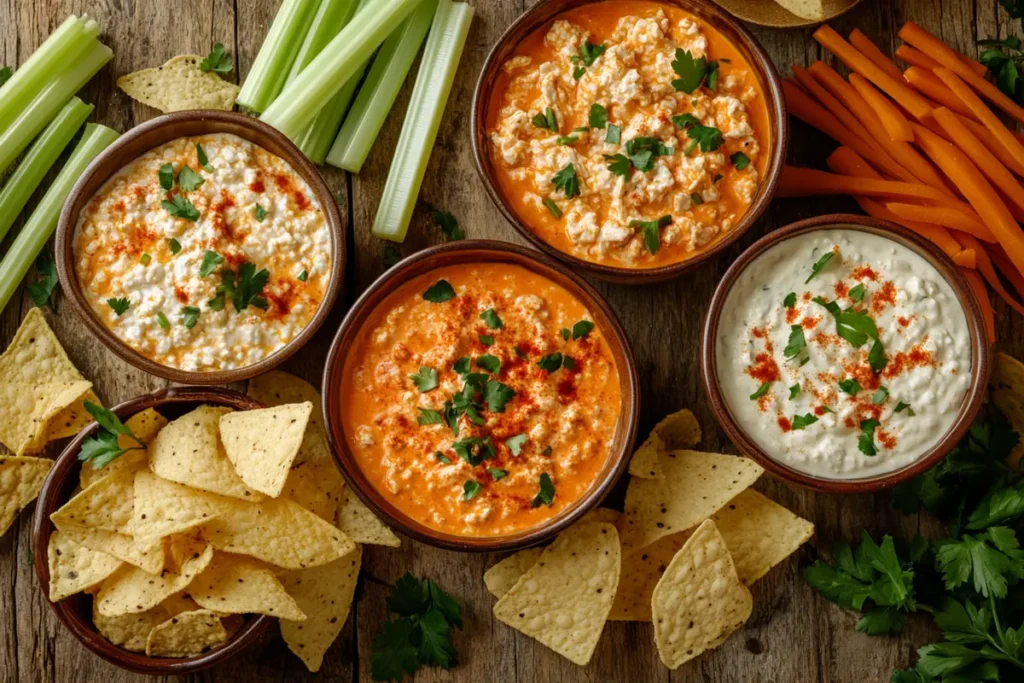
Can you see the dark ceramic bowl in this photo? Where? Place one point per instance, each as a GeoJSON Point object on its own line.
{"type": "Point", "coordinates": [469, 252]}
{"type": "Point", "coordinates": [771, 87]}
{"type": "Point", "coordinates": [75, 612]}
{"type": "Point", "coordinates": [140, 140]}
{"type": "Point", "coordinates": [980, 354]}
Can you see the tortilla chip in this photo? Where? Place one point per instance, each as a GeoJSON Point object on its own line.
{"type": "Point", "coordinates": [26, 410]}
{"type": "Point", "coordinates": [278, 388]}
{"type": "Point", "coordinates": [145, 426]}
{"type": "Point", "coordinates": [129, 631]}
{"type": "Point", "coordinates": [606, 515]}
{"type": "Point", "coordinates": [35, 356]}
{"type": "Point", "coordinates": [277, 531]}
{"type": "Point", "coordinates": [262, 444]}
{"type": "Point", "coordinates": [564, 599]}
{"type": "Point", "coordinates": [501, 577]}
{"type": "Point", "coordinates": [72, 419]}
{"type": "Point", "coordinates": [189, 451]}
{"type": "Point", "coordinates": [1007, 383]}
{"type": "Point", "coordinates": [677, 431]}
{"type": "Point", "coordinates": [362, 526]}
{"type": "Point", "coordinates": [644, 462]}
{"type": "Point", "coordinates": [163, 507]}
{"type": "Point", "coordinates": [179, 84]}
{"type": "Point", "coordinates": [325, 595]}
{"type": "Point", "coordinates": [317, 486]}
{"type": "Point", "coordinates": [130, 589]}
{"type": "Point", "coordinates": [75, 568]}
{"type": "Point", "coordinates": [695, 486]}
{"type": "Point", "coordinates": [699, 601]}
{"type": "Point", "coordinates": [186, 635]}
{"type": "Point", "coordinates": [147, 556]}
{"type": "Point", "coordinates": [106, 504]}
{"type": "Point", "coordinates": [21, 478]}
{"type": "Point", "coordinates": [238, 585]}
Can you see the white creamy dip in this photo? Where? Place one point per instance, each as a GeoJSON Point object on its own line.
{"type": "Point", "coordinates": [824, 409]}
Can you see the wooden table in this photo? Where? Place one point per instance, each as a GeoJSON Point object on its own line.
{"type": "Point", "coordinates": [792, 636]}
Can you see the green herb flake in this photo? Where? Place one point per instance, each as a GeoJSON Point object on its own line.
{"type": "Point", "coordinates": [46, 280]}
{"type": "Point", "coordinates": [190, 316]}
{"type": "Point", "coordinates": [515, 443]}
{"type": "Point", "coordinates": [217, 61]}
{"type": "Point", "coordinates": [794, 391]}
{"type": "Point", "coordinates": [866, 441]}
{"type": "Point", "coordinates": [439, 292]}
{"type": "Point", "coordinates": [819, 265]}
{"type": "Point", "coordinates": [174, 245]}
{"type": "Point", "coordinates": [461, 366]}
{"type": "Point", "coordinates": [651, 231]}
{"type": "Point", "coordinates": [551, 362]}
{"type": "Point", "coordinates": [162, 320]}
{"type": "Point", "coordinates": [449, 225]}
{"type": "Point", "coordinates": [181, 206]}
{"type": "Point", "coordinates": [691, 71]}
{"type": "Point", "coordinates": [850, 386]}
{"type": "Point", "coordinates": [790, 300]}
{"type": "Point", "coordinates": [490, 363]}
{"type": "Point", "coordinates": [442, 457]}
{"type": "Point", "coordinates": [581, 329]}
{"type": "Point", "coordinates": [901, 406]}
{"type": "Point", "coordinates": [857, 293]}
{"type": "Point", "coordinates": [260, 212]}
{"type": "Point", "coordinates": [546, 120]}
{"type": "Point", "coordinates": [486, 339]}
{"type": "Point", "coordinates": [188, 179]}
{"type": "Point", "coordinates": [598, 116]}
{"type": "Point", "coordinates": [145, 259]}
{"type": "Point", "coordinates": [471, 489]}
{"type": "Point", "coordinates": [761, 391]}
{"type": "Point", "coordinates": [303, 276]}
{"type": "Point", "coordinates": [211, 260]}
{"type": "Point", "coordinates": [204, 161]}
{"type": "Point", "coordinates": [797, 342]}
{"type": "Point", "coordinates": [428, 416]}
{"type": "Point", "coordinates": [739, 160]}
{"type": "Point", "coordinates": [425, 380]}
{"type": "Point", "coordinates": [120, 306]}
{"type": "Point", "coordinates": [496, 473]}
{"type": "Point", "coordinates": [166, 176]}
{"type": "Point", "coordinates": [552, 207]}
{"type": "Point", "coordinates": [803, 421]}
{"type": "Point", "coordinates": [566, 181]}
{"type": "Point", "coordinates": [613, 135]}
{"type": "Point", "coordinates": [879, 397]}
{"type": "Point", "coordinates": [546, 494]}
{"type": "Point", "coordinates": [492, 319]}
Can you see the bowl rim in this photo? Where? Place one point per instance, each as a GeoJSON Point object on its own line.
{"type": "Point", "coordinates": [113, 159]}
{"type": "Point", "coordinates": [981, 351]}
{"type": "Point", "coordinates": [51, 497]}
{"type": "Point", "coordinates": [480, 251]}
{"type": "Point", "coordinates": [778, 124]}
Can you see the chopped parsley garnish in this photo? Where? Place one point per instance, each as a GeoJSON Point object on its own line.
{"type": "Point", "coordinates": [876, 356]}
{"type": "Point", "coordinates": [162, 320]}
{"type": "Point", "coordinates": [260, 212]}
{"type": "Point", "coordinates": [551, 362]}
{"type": "Point", "coordinates": [425, 380]}
{"type": "Point", "coordinates": [120, 306]}
{"type": "Point", "coordinates": [566, 181]}
{"type": "Point", "coordinates": [739, 160]}
{"type": "Point", "coordinates": [587, 56]}
{"type": "Point", "coordinates": [181, 206]}
{"type": "Point", "coordinates": [761, 391]}
{"type": "Point", "coordinates": [516, 443]}
{"type": "Point", "coordinates": [461, 366]}
{"type": "Point", "coordinates": [188, 179]}
{"type": "Point", "coordinates": [619, 165]}
{"type": "Point", "coordinates": [471, 489]}
{"type": "Point", "coordinates": [857, 293]}
{"type": "Point", "coordinates": [651, 231]}
{"type": "Point", "coordinates": [174, 245]}
{"type": "Point", "coordinates": [598, 116]}
{"type": "Point", "coordinates": [692, 72]}
{"type": "Point", "coordinates": [104, 448]}
{"type": "Point", "coordinates": [568, 362]}
{"type": "Point", "coordinates": [866, 442]}
{"type": "Point", "coordinates": [217, 61]}
{"type": "Point", "coordinates": [857, 327]}
{"type": "Point", "coordinates": [429, 417]}
{"type": "Point", "coordinates": [708, 138]}
{"type": "Point", "coordinates": [492, 319]}
{"type": "Point", "coordinates": [546, 494]}
{"type": "Point", "coordinates": [552, 208]}
{"type": "Point", "coordinates": [849, 386]}
{"type": "Point", "coordinates": [497, 473]}
{"type": "Point", "coordinates": [190, 316]}
{"type": "Point", "coordinates": [613, 135]}
{"type": "Point", "coordinates": [211, 260]}
{"type": "Point", "coordinates": [643, 151]}
{"type": "Point", "coordinates": [901, 406]}
{"type": "Point", "coordinates": [486, 339]}
{"type": "Point", "coordinates": [166, 176]}
{"type": "Point", "coordinates": [449, 225]}
{"type": "Point", "coordinates": [439, 292]}
{"type": "Point", "coordinates": [491, 364]}
{"type": "Point", "coordinates": [794, 391]}
{"type": "Point", "coordinates": [442, 457]}
{"type": "Point", "coordinates": [519, 352]}
{"type": "Point", "coordinates": [244, 291]}
{"type": "Point", "coordinates": [546, 120]}
{"type": "Point", "coordinates": [303, 276]}
{"type": "Point", "coordinates": [878, 398]}
{"type": "Point", "coordinates": [696, 199]}
{"type": "Point", "coordinates": [546, 451]}
{"type": "Point", "coordinates": [684, 121]}
{"type": "Point", "coordinates": [565, 333]}
{"type": "Point", "coordinates": [570, 139]}
{"type": "Point", "coordinates": [204, 162]}
{"type": "Point", "coordinates": [496, 395]}
{"type": "Point", "coordinates": [819, 265]}
{"type": "Point", "coordinates": [804, 421]}
{"type": "Point", "coordinates": [790, 300]}
{"type": "Point", "coordinates": [578, 72]}
{"type": "Point", "coordinates": [797, 342]}
{"type": "Point", "coordinates": [391, 255]}
{"type": "Point", "coordinates": [581, 329]}
{"type": "Point", "coordinates": [47, 281]}
{"type": "Point", "coordinates": [145, 259]}
{"type": "Point", "coordinates": [474, 450]}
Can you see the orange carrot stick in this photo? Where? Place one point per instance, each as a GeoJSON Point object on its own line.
{"type": "Point", "coordinates": [860, 41]}
{"type": "Point", "coordinates": [809, 182]}
{"type": "Point", "coordinates": [983, 113]}
{"type": "Point", "coordinates": [954, 61]}
{"type": "Point", "coordinates": [896, 125]}
{"type": "Point", "coordinates": [856, 61]}
{"type": "Point", "coordinates": [914, 57]}
{"type": "Point", "coordinates": [984, 302]}
{"type": "Point", "coordinates": [835, 106]}
{"type": "Point", "coordinates": [992, 143]}
{"type": "Point", "coordinates": [1007, 270]}
{"type": "Point", "coordinates": [930, 86]}
{"type": "Point", "coordinates": [967, 258]}
{"type": "Point", "coordinates": [988, 271]}
{"type": "Point", "coordinates": [944, 216]}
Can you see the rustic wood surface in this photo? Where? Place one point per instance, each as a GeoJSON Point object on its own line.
{"type": "Point", "coordinates": [793, 635]}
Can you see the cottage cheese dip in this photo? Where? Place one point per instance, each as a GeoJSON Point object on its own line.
{"type": "Point", "coordinates": [843, 354]}
{"type": "Point", "coordinates": [206, 253]}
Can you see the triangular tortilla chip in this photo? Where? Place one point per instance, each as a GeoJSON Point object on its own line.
{"type": "Point", "coordinates": [325, 595]}
{"type": "Point", "coordinates": [147, 556]}
{"type": "Point", "coordinates": [278, 388]}
{"type": "Point", "coordinates": [356, 520]}
{"type": "Point", "coordinates": [186, 635]}
{"type": "Point", "coordinates": [107, 504]}
{"type": "Point", "coordinates": [72, 419]}
{"type": "Point", "coordinates": [144, 426]}
{"type": "Point", "coordinates": [500, 578]}
{"type": "Point", "coordinates": [21, 478]}
{"type": "Point", "coordinates": [564, 599]}
{"type": "Point", "coordinates": [75, 568]}
{"type": "Point", "coordinates": [162, 507]}
{"type": "Point", "coordinates": [238, 585]}
{"type": "Point", "coordinates": [317, 486]}
{"type": "Point", "coordinates": [262, 444]}
{"type": "Point", "coordinates": [1007, 383]}
{"type": "Point", "coordinates": [26, 410]}
{"type": "Point", "coordinates": [178, 85]}
{"type": "Point", "coordinates": [677, 431]}
{"type": "Point", "coordinates": [130, 590]}
{"type": "Point", "coordinates": [699, 601]}
{"type": "Point", "coordinates": [35, 356]}
{"type": "Point", "coordinates": [130, 631]}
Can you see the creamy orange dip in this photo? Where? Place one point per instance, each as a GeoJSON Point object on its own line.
{"type": "Point", "coordinates": [481, 399]}
{"type": "Point", "coordinates": [204, 260]}
{"type": "Point", "coordinates": [630, 133]}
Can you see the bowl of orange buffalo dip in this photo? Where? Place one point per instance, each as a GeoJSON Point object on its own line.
{"type": "Point", "coordinates": [480, 397]}
{"type": "Point", "coordinates": [632, 138]}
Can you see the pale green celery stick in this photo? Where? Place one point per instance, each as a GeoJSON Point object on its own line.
{"type": "Point", "coordinates": [48, 102]}
{"type": "Point", "coordinates": [319, 135]}
{"type": "Point", "coordinates": [380, 89]}
{"type": "Point", "coordinates": [40, 157]}
{"type": "Point", "coordinates": [301, 99]}
{"type": "Point", "coordinates": [40, 225]}
{"type": "Point", "coordinates": [58, 52]}
{"type": "Point", "coordinates": [419, 131]}
{"type": "Point", "coordinates": [331, 17]}
{"type": "Point", "coordinates": [274, 60]}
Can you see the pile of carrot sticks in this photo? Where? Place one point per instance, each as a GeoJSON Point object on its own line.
{"type": "Point", "coordinates": [920, 148]}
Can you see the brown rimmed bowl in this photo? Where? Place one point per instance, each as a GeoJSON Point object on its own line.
{"type": "Point", "coordinates": [981, 361]}
{"type": "Point", "coordinates": [545, 12]}
{"type": "Point", "coordinates": [140, 140]}
{"type": "Point", "coordinates": [75, 612]}
{"type": "Point", "coordinates": [471, 252]}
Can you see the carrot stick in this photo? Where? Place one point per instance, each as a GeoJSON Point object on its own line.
{"type": "Point", "coordinates": [856, 61]}
{"type": "Point", "coordinates": [930, 86]}
{"type": "Point", "coordinates": [1006, 268]}
{"type": "Point", "coordinates": [983, 113]}
{"type": "Point", "coordinates": [967, 258]}
{"type": "Point", "coordinates": [860, 41]}
{"type": "Point", "coordinates": [944, 216]}
{"type": "Point", "coordinates": [988, 271]}
{"type": "Point", "coordinates": [984, 302]}
{"type": "Point", "coordinates": [809, 182]}
{"type": "Point", "coordinates": [980, 154]}
{"type": "Point", "coordinates": [896, 125]}
{"type": "Point", "coordinates": [835, 106]}
{"type": "Point", "coordinates": [992, 143]}
{"type": "Point", "coordinates": [955, 62]}
{"type": "Point", "coordinates": [978, 192]}
{"type": "Point", "coordinates": [914, 57]}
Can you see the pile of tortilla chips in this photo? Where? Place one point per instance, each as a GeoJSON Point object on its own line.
{"type": "Point", "coordinates": [42, 398]}
{"type": "Point", "coordinates": [1007, 384]}
{"type": "Point", "coordinates": [223, 515]}
{"type": "Point", "coordinates": [692, 538]}
{"type": "Point", "coordinates": [180, 84]}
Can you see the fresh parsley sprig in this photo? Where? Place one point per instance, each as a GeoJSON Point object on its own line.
{"type": "Point", "coordinates": [46, 280]}
{"type": "Point", "coordinates": [104, 448]}
{"type": "Point", "coordinates": [217, 61]}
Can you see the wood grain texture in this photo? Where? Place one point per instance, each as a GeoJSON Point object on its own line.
{"type": "Point", "coordinates": [793, 635]}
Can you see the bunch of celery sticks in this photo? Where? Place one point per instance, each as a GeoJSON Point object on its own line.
{"type": "Point", "coordinates": [38, 108]}
{"type": "Point", "coordinates": [307, 81]}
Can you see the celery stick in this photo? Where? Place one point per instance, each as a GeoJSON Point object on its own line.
{"type": "Point", "coordinates": [270, 70]}
{"type": "Point", "coordinates": [58, 52]}
{"type": "Point", "coordinates": [301, 99]}
{"type": "Point", "coordinates": [379, 91]}
{"type": "Point", "coordinates": [41, 223]}
{"type": "Point", "coordinates": [41, 156]}
{"type": "Point", "coordinates": [331, 17]}
{"type": "Point", "coordinates": [48, 102]}
{"type": "Point", "coordinates": [318, 136]}
{"type": "Point", "coordinates": [419, 131]}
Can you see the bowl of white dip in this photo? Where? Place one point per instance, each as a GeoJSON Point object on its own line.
{"type": "Point", "coordinates": [845, 354]}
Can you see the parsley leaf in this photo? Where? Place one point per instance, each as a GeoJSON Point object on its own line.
{"type": "Point", "coordinates": [246, 290]}
{"type": "Point", "coordinates": [598, 116]}
{"type": "Point", "coordinates": [794, 391]}
{"type": "Point", "coordinates": [190, 316]}
{"type": "Point", "coordinates": [797, 342]}
{"type": "Point", "coordinates": [211, 260]}
{"type": "Point", "coordinates": [425, 380]}
{"type": "Point", "coordinates": [492, 319]}
{"type": "Point", "coordinates": [449, 225]}
{"type": "Point", "coordinates": [303, 276]}
{"type": "Point", "coordinates": [991, 560]}
{"type": "Point", "coordinates": [684, 121]}
{"type": "Point", "coordinates": [581, 329]}
{"type": "Point", "coordinates": [461, 366]}
{"type": "Point", "coordinates": [546, 494]}
{"type": "Point", "coordinates": [439, 292]}
{"type": "Point", "coordinates": [876, 356]}
{"type": "Point", "coordinates": [486, 339]}
{"type": "Point", "coordinates": [691, 71]}
{"type": "Point", "coordinates": [516, 443]}
{"type": "Point", "coordinates": [708, 138]}
{"type": "Point", "coordinates": [217, 61]}
{"type": "Point", "coordinates": [428, 416]}
{"type": "Point", "coordinates": [739, 160]}
{"type": "Point", "coordinates": [587, 56]}
{"type": "Point", "coordinates": [551, 362]}
{"type": "Point", "coordinates": [474, 450]}
{"type": "Point", "coordinates": [901, 406]}
{"type": "Point", "coordinates": [819, 265]}
{"type": "Point", "coordinates": [496, 395]}
{"type": "Point", "coordinates": [174, 245]}
{"type": "Point", "coordinates": [46, 282]}
{"type": "Point", "coordinates": [761, 391]}
{"type": "Point", "coordinates": [104, 447]}
{"type": "Point", "coordinates": [619, 165]}
{"type": "Point", "coordinates": [260, 212]}
{"type": "Point", "coordinates": [803, 421]}
{"type": "Point", "coordinates": [181, 206]}
{"type": "Point", "coordinates": [204, 162]}
{"type": "Point", "coordinates": [491, 364]}
{"type": "Point", "coordinates": [878, 398]}
{"type": "Point", "coordinates": [120, 306]}
{"type": "Point", "coordinates": [866, 441]}
{"type": "Point", "coordinates": [643, 151]}
{"type": "Point", "coordinates": [552, 208]}
{"type": "Point", "coordinates": [652, 232]}
{"type": "Point", "coordinates": [849, 386]}
{"type": "Point", "coordinates": [166, 176]}
{"type": "Point", "coordinates": [188, 179]}
{"type": "Point", "coordinates": [613, 135]}
{"type": "Point", "coordinates": [790, 300]}
{"type": "Point", "coordinates": [546, 120]}
{"type": "Point", "coordinates": [471, 489]}
{"type": "Point", "coordinates": [443, 458]}
{"type": "Point", "coordinates": [566, 181]}
{"type": "Point", "coordinates": [497, 473]}
{"type": "Point", "coordinates": [162, 320]}
{"type": "Point", "coordinates": [857, 293]}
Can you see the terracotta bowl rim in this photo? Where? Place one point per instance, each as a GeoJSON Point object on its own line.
{"type": "Point", "coordinates": [52, 496]}
{"type": "Point", "coordinates": [981, 351]}
{"type": "Point", "coordinates": [477, 251]}
{"type": "Point", "coordinates": [115, 157]}
{"type": "Point", "coordinates": [778, 126]}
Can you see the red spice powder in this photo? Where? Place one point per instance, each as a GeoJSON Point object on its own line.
{"type": "Point", "coordinates": [809, 322]}
{"type": "Point", "coordinates": [918, 357]}
{"type": "Point", "coordinates": [765, 370]}
{"type": "Point", "coordinates": [181, 295]}
{"type": "Point", "coordinates": [257, 187]}
{"type": "Point", "coordinates": [841, 289]}
{"type": "Point", "coordinates": [300, 200]}
{"type": "Point", "coordinates": [886, 296]}
{"type": "Point", "coordinates": [864, 273]}
{"type": "Point", "coordinates": [282, 181]}
{"type": "Point", "coordinates": [785, 425]}
{"type": "Point", "coordinates": [791, 315]}
{"type": "Point", "coordinates": [818, 410]}
{"type": "Point", "coordinates": [886, 439]}
{"type": "Point", "coordinates": [904, 321]}
{"type": "Point", "coordinates": [757, 332]}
